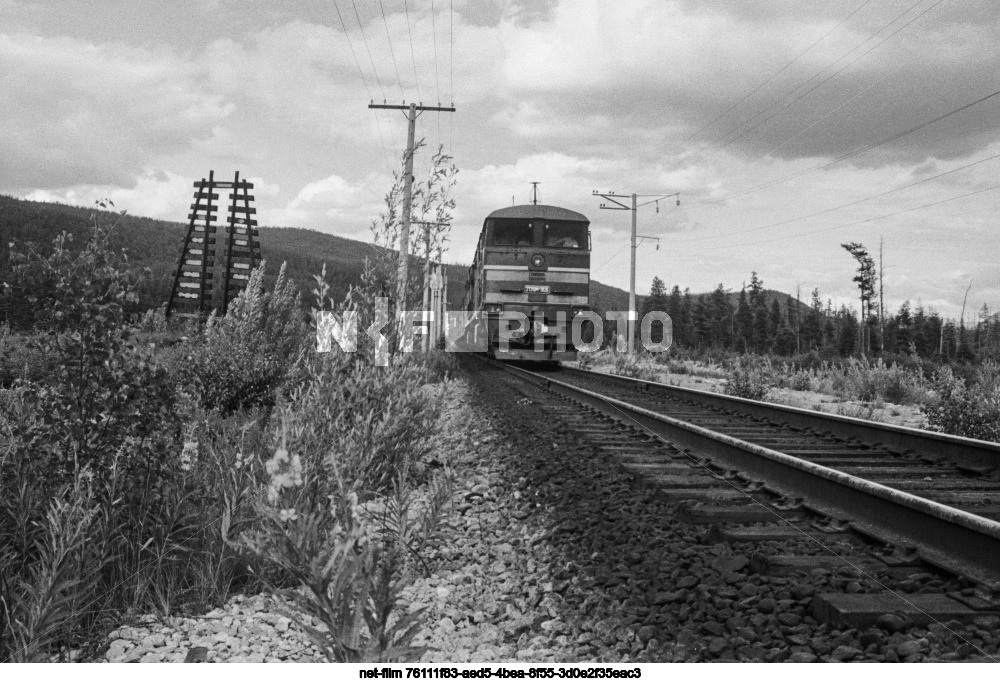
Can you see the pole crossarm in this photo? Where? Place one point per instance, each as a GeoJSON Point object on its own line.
{"type": "Point", "coordinates": [406, 107]}
{"type": "Point", "coordinates": [612, 197]}
{"type": "Point", "coordinates": [658, 197]}
{"type": "Point", "coordinates": [411, 111]}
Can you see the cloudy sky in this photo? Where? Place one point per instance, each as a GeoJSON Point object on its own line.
{"type": "Point", "coordinates": [787, 126]}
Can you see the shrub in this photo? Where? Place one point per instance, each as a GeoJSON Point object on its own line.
{"type": "Point", "coordinates": [633, 367]}
{"type": "Point", "coordinates": [973, 412]}
{"type": "Point", "coordinates": [870, 382]}
{"type": "Point", "coordinates": [868, 411]}
{"type": "Point", "coordinates": [104, 401]}
{"type": "Point", "coordinates": [241, 359]}
{"type": "Point", "coordinates": [21, 358]}
{"type": "Point", "coordinates": [337, 519]}
{"type": "Point", "coordinates": [51, 594]}
{"type": "Point", "coordinates": [749, 377]}
{"type": "Point", "coordinates": [801, 381]}
{"type": "Point", "coordinates": [101, 513]}
{"type": "Point", "coordinates": [438, 365]}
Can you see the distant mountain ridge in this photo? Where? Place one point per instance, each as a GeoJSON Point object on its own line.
{"type": "Point", "coordinates": [156, 244]}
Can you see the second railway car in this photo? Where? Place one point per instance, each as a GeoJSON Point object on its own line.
{"type": "Point", "coordinates": [535, 260]}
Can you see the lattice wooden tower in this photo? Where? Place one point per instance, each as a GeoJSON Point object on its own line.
{"type": "Point", "coordinates": [192, 293]}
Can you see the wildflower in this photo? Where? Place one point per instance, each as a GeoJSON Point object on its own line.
{"type": "Point", "coordinates": [189, 454]}
{"type": "Point", "coordinates": [288, 515]}
{"type": "Point", "coordinates": [285, 471]}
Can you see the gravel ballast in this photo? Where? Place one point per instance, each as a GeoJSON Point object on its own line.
{"type": "Point", "coordinates": [553, 553]}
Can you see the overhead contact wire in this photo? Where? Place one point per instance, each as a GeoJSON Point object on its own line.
{"type": "Point", "coordinates": [357, 63]}
{"type": "Point", "coordinates": [413, 55]}
{"type": "Point", "coordinates": [392, 53]}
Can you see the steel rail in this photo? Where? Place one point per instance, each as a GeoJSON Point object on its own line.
{"type": "Point", "coordinates": [969, 452]}
{"type": "Point", "coordinates": [952, 539]}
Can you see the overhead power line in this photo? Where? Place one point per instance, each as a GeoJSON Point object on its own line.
{"type": "Point", "coordinates": [451, 67]}
{"type": "Point", "coordinates": [869, 220]}
{"type": "Point", "coordinates": [437, 79]}
{"type": "Point", "coordinates": [368, 48]}
{"type": "Point", "coordinates": [837, 208]}
{"type": "Point", "coordinates": [385, 22]}
{"type": "Point", "coordinates": [827, 115]}
{"type": "Point", "coordinates": [844, 157]}
{"type": "Point", "coordinates": [824, 81]}
{"type": "Point", "coordinates": [723, 142]}
{"type": "Point", "coordinates": [378, 124]}
{"type": "Point", "coordinates": [770, 78]}
{"type": "Point", "coordinates": [413, 56]}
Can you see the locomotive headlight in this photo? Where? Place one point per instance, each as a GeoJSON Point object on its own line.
{"type": "Point", "coordinates": [493, 308]}
{"type": "Point", "coordinates": [579, 311]}
{"type": "Point", "coordinates": [538, 260]}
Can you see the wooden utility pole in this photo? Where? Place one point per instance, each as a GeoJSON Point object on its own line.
{"type": "Point", "coordinates": [619, 206]}
{"type": "Point", "coordinates": [881, 300]}
{"type": "Point", "coordinates": [427, 269]}
{"type": "Point", "coordinates": [411, 110]}
{"type": "Point", "coordinates": [798, 318]}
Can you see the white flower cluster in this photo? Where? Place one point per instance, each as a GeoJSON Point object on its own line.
{"type": "Point", "coordinates": [285, 471]}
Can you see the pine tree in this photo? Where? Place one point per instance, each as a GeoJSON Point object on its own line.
{"type": "Point", "coordinates": [687, 318]}
{"type": "Point", "coordinates": [812, 326]}
{"type": "Point", "coordinates": [721, 311]}
{"type": "Point", "coordinates": [657, 300]}
{"type": "Point", "coordinates": [744, 322]}
{"type": "Point", "coordinates": [902, 326]}
{"type": "Point", "coordinates": [674, 308]}
{"type": "Point", "coordinates": [761, 340]}
{"type": "Point", "coordinates": [774, 321]}
{"type": "Point", "coordinates": [758, 325]}
{"type": "Point", "coordinates": [703, 323]}
{"type": "Point", "coordinates": [848, 340]}
{"type": "Point", "coordinates": [865, 278]}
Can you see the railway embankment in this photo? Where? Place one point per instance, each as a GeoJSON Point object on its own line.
{"type": "Point", "coordinates": [553, 552]}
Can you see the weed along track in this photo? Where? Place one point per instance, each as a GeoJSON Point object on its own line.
{"type": "Point", "coordinates": [837, 548]}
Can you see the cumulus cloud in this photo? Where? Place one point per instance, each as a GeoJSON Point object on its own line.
{"type": "Point", "coordinates": [76, 113]}
{"type": "Point", "coordinates": [331, 201]}
{"type": "Point", "coordinates": [646, 96]}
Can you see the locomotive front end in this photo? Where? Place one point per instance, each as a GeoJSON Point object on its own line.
{"type": "Point", "coordinates": [531, 278]}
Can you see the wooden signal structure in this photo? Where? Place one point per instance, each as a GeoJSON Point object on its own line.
{"type": "Point", "coordinates": [192, 293]}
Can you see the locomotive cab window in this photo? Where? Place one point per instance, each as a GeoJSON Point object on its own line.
{"type": "Point", "coordinates": [513, 232]}
{"type": "Point", "coordinates": [565, 235]}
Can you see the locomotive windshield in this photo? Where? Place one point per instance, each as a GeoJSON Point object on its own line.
{"type": "Point", "coordinates": [563, 234]}
{"type": "Point", "coordinates": [513, 232]}
{"type": "Point", "coordinates": [559, 233]}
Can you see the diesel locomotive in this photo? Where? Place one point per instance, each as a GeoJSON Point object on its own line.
{"type": "Point", "coordinates": [529, 278]}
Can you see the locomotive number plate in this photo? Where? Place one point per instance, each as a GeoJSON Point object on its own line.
{"type": "Point", "coordinates": [537, 289]}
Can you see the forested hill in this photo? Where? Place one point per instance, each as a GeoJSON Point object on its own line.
{"type": "Point", "coordinates": [156, 244]}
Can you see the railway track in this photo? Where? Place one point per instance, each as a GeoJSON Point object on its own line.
{"type": "Point", "coordinates": [904, 501]}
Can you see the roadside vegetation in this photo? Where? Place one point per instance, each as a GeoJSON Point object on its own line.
{"type": "Point", "coordinates": [150, 466]}
{"type": "Point", "coordinates": [959, 399]}
{"type": "Point", "coordinates": [884, 366]}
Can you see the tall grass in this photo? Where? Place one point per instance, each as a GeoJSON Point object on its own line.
{"type": "Point", "coordinates": [634, 366]}
{"type": "Point", "coordinates": [750, 377]}
{"type": "Point", "coordinates": [967, 409]}
{"type": "Point", "coordinates": [139, 478]}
